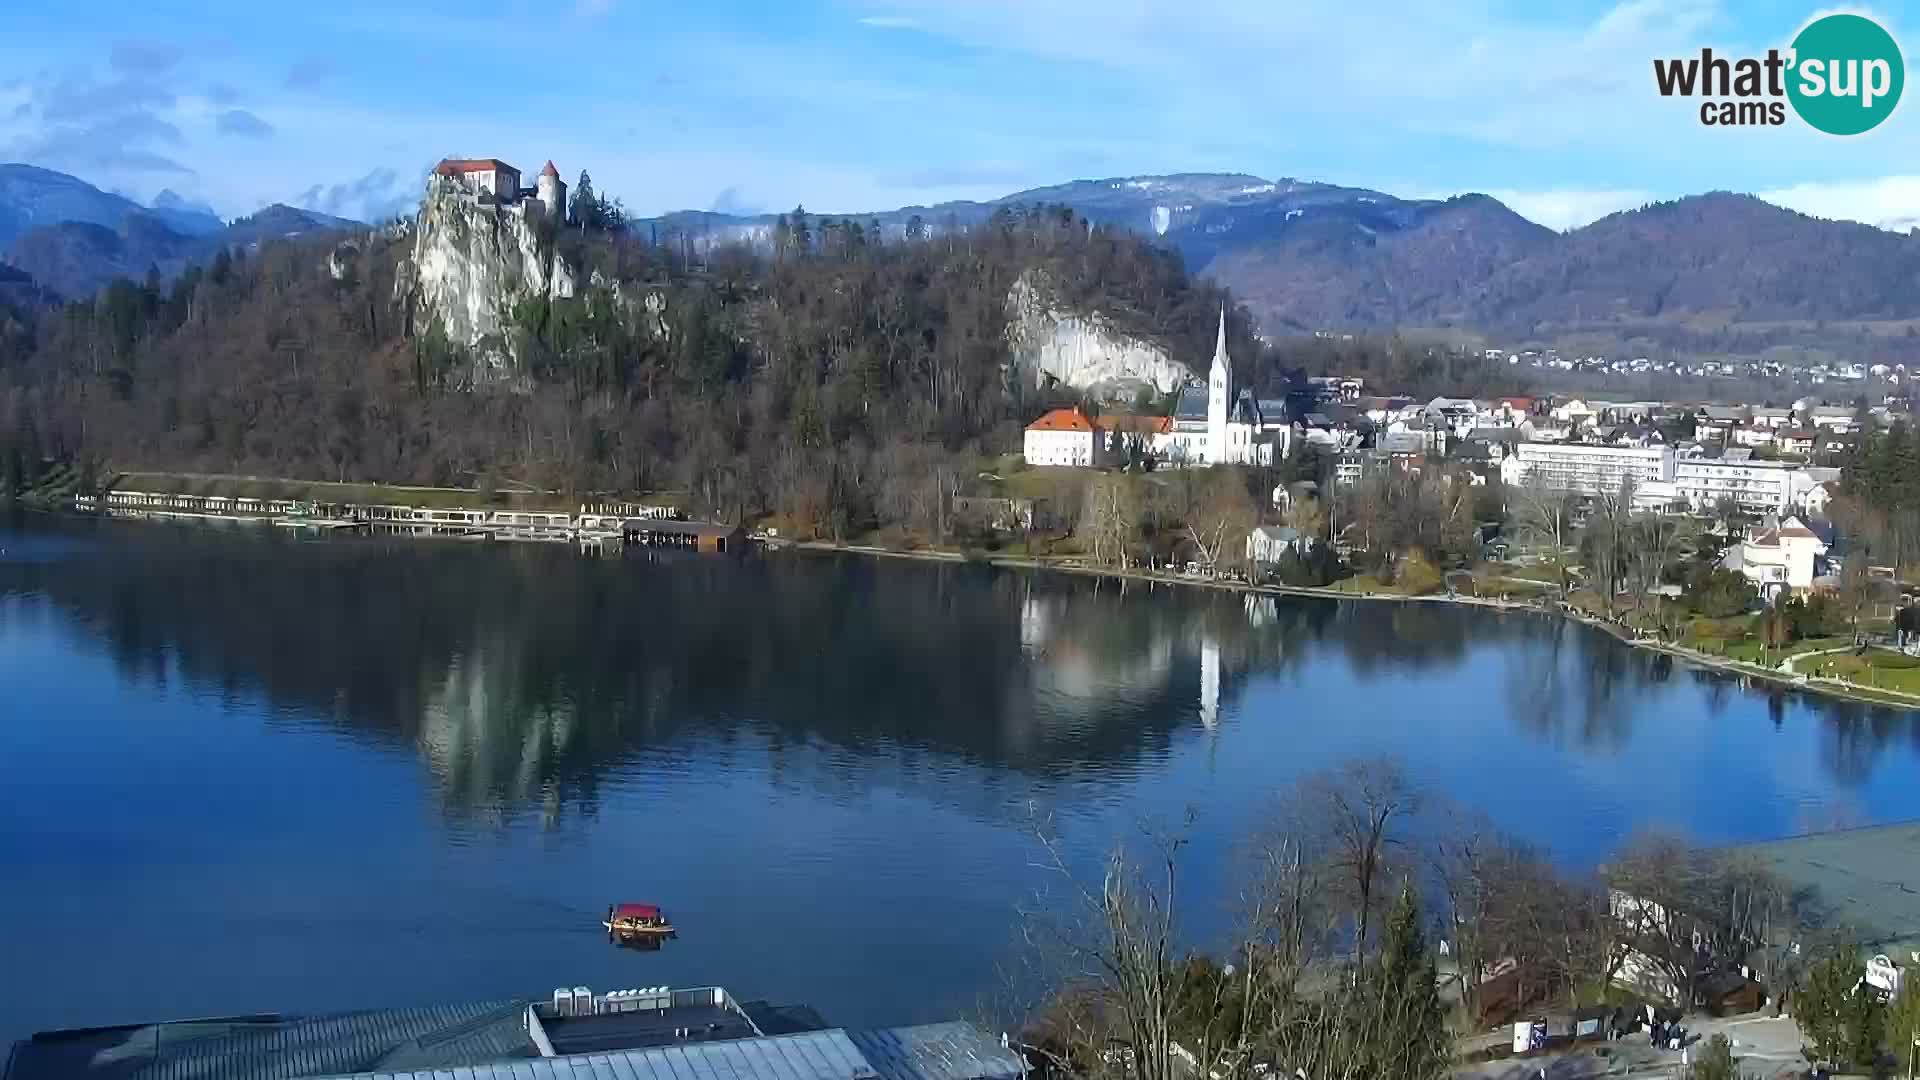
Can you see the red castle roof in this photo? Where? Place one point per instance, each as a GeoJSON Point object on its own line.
{"type": "Point", "coordinates": [461, 166]}
{"type": "Point", "coordinates": [550, 170]}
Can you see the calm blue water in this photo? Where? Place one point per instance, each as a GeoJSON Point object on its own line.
{"type": "Point", "coordinates": [240, 773]}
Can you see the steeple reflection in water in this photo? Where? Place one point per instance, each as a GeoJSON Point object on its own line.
{"type": "Point", "coordinates": [294, 771]}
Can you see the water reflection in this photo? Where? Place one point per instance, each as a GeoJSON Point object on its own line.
{"type": "Point", "coordinates": [523, 675]}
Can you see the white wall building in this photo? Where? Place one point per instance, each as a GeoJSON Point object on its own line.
{"type": "Point", "coordinates": [1781, 557]}
{"type": "Point", "coordinates": [1587, 468]}
{"type": "Point", "coordinates": [1061, 437]}
{"type": "Point", "coordinates": [1764, 487]}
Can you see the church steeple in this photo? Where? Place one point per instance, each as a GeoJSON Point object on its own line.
{"type": "Point", "coordinates": [1220, 343]}
{"type": "Point", "coordinates": [1219, 393]}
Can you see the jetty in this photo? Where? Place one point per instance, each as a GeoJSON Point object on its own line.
{"type": "Point", "coordinates": [594, 526]}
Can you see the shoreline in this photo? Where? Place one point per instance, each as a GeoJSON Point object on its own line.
{"type": "Point", "coordinates": [1807, 684]}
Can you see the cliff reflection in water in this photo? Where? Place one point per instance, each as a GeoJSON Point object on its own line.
{"type": "Point", "coordinates": [524, 674]}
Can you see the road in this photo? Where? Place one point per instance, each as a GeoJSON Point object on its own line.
{"type": "Point", "coordinates": [1762, 1047]}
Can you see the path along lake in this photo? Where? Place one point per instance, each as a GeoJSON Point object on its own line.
{"type": "Point", "coordinates": [244, 773]}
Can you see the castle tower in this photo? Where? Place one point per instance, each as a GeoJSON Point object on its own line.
{"type": "Point", "coordinates": [1219, 390]}
{"type": "Point", "coordinates": [553, 193]}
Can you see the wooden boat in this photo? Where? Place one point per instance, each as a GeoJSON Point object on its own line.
{"type": "Point", "coordinates": [637, 919]}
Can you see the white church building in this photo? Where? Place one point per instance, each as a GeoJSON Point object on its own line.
{"type": "Point", "coordinates": [1211, 426]}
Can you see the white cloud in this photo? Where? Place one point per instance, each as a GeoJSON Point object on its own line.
{"type": "Point", "coordinates": [1891, 202]}
{"type": "Point", "coordinates": [1569, 209]}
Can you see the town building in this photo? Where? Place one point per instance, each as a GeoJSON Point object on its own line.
{"type": "Point", "coordinates": [1586, 468]}
{"type": "Point", "coordinates": [1060, 437]}
{"type": "Point", "coordinates": [1762, 487]}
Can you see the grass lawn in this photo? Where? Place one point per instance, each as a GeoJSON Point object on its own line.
{"type": "Point", "coordinates": [1878, 668]}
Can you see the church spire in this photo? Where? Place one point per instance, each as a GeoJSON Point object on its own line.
{"type": "Point", "coordinates": [1220, 342]}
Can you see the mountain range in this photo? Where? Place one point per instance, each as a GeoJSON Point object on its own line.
{"type": "Point", "coordinates": [1718, 272]}
{"type": "Point", "coordinates": [1713, 272]}
{"type": "Point", "coordinates": [72, 238]}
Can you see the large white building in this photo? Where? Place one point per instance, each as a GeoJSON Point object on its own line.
{"type": "Point", "coordinates": [1061, 437]}
{"type": "Point", "coordinates": [1764, 487]}
{"type": "Point", "coordinates": [1587, 468]}
{"type": "Point", "coordinates": [1221, 428]}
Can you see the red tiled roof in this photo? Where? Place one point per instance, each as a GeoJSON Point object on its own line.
{"type": "Point", "coordinates": [460, 166]}
{"type": "Point", "coordinates": [1145, 425]}
{"type": "Point", "coordinates": [1062, 420]}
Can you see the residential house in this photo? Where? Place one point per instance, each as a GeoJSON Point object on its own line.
{"type": "Point", "coordinates": [1752, 437]}
{"type": "Point", "coordinates": [1573, 413]}
{"type": "Point", "coordinates": [1714, 423]}
{"type": "Point", "coordinates": [1269, 543]}
{"type": "Point", "coordinates": [1778, 557]}
{"type": "Point", "coordinates": [1817, 499]}
{"type": "Point", "coordinates": [1769, 417]}
{"type": "Point", "coordinates": [1835, 418]}
{"type": "Point", "coordinates": [1499, 441]}
{"type": "Point", "coordinates": [1796, 441]}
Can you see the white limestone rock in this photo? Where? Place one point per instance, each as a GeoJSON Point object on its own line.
{"type": "Point", "coordinates": [471, 264]}
{"type": "Point", "coordinates": [1082, 350]}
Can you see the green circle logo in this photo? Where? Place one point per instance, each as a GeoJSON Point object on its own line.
{"type": "Point", "coordinates": [1847, 74]}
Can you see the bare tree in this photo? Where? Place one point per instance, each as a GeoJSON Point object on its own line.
{"type": "Point", "coordinates": [1542, 513]}
{"type": "Point", "coordinates": [1860, 594]}
{"type": "Point", "coordinates": [1111, 519]}
{"type": "Point", "coordinates": [1361, 808]}
{"type": "Point", "coordinates": [1220, 520]}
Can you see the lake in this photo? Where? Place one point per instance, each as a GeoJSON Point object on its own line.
{"type": "Point", "coordinates": [241, 772]}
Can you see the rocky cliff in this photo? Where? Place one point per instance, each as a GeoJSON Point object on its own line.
{"type": "Point", "coordinates": [1082, 350]}
{"type": "Point", "coordinates": [472, 263]}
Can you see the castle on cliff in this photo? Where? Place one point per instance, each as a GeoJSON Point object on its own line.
{"type": "Point", "coordinates": [496, 181]}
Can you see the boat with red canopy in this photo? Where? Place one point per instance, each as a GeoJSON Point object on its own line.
{"type": "Point", "coordinates": [637, 919]}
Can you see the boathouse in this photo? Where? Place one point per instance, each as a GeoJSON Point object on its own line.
{"type": "Point", "coordinates": [697, 535]}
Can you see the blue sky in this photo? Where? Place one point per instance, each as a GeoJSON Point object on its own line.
{"type": "Point", "coordinates": [849, 105]}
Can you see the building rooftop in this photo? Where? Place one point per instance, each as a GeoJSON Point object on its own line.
{"type": "Point", "coordinates": [458, 166]}
{"type": "Point", "coordinates": [1062, 420]}
{"type": "Point", "coordinates": [1867, 879]}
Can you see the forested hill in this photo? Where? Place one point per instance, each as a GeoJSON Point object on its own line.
{"type": "Point", "coordinates": [818, 382]}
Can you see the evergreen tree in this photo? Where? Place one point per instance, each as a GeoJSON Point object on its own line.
{"type": "Point", "coordinates": [802, 235]}
{"type": "Point", "coordinates": [1716, 1061]}
{"type": "Point", "coordinates": [1403, 1025]}
{"type": "Point", "coordinates": [1841, 1019]}
{"type": "Point", "coordinates": [1903, 1023]}
{"type": "Point", "coordinates": [586, 205]}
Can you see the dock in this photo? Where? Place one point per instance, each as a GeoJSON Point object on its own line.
{"type": "Point", "coordinates": [595, 528]}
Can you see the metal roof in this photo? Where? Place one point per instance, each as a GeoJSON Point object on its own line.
{"type": "Point", "coordinates": [281, 1048]}
{"type": "Point", "coordinates": [1869, 878]}
{"type": "Point", "coordinates": [952, 1051]}
{"type": "Point", "coordinates": [812, 1055]}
